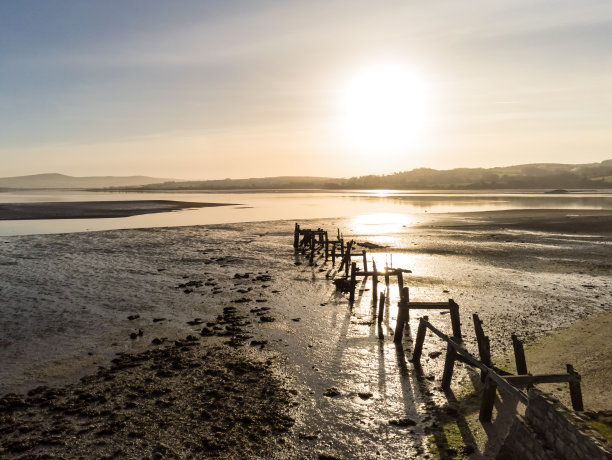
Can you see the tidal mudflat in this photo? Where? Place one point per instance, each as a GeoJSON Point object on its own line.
{"type": "Point", "coordinates": [199, 320]}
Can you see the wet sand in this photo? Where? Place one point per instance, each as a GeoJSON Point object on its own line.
{"type": "Point", "coordinates": [93, 209]}
{"type": "Point", "coordinates": [67, 299]}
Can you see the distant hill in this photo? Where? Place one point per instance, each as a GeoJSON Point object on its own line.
{"type": "Point", "coordinates": [62, 181]}
{"type": "Point", "coordinates": [525, 176]}
{"type": "Point", "coordinates": [281, 182]}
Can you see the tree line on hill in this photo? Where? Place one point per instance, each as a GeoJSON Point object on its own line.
{"type": "Point", "coordinates": [529, 176]}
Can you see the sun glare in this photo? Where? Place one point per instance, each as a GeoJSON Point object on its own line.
{"type": "Point", "coordinates": [384, 109]}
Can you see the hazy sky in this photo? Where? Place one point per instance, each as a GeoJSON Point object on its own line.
{"type": "Point", "coordinates": [213, 89]}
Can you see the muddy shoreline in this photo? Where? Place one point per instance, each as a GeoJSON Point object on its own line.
{"type": "Point", "coordinates": [67, 300]}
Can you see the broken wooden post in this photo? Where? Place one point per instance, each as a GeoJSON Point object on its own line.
{"type": "Point", "coordinates": [312, 248]}
{"type": "Point", "coordinates": [455, 320]}
{"type": "Point", "coordinates": [488, 400]}
{"type": "Point", "coordinates": [353, 282]}
{"type": "Point", "coordinates": [374, 284]}
{"type": "Point", "coordinates": [574, 387]}
{"type": "Point", "coordinates": [381, 308]}
{"type": "Point", "coordinates": [347, 258]}
{"type": "Point", "coordinates": [519, 355]}
{"type": "Point", "coordinates": [296, 236]}
{"type": "Point", "coordinates": [484, 345]}
{"type": "Point", "coordinates": [449, 365]}
{"type": "Point", "coordinates": [400, 282]}
{"type": "Point", "coordinates": [420, 339]}
{"type": "Point", "coordinates": [333, 254]}
{"type": "Point", "coordinates": [402, 312]}
{"type": "Point", "coordinates": [365, 261]}
{"type": "Point", "coordinates": [326, 247]}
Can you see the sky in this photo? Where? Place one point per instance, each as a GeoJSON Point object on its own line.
{"type": "Point", "coordinates": [214, 89]}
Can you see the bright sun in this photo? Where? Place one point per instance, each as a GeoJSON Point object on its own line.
{"type": "Point", "coordinates": [384, 109]}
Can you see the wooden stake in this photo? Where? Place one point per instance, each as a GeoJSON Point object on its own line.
{"type": "Point", "coordinates": [400, 282]}
{"type": "Point", "coordinates": [365, 261]}
{"type": "Point", "coordinates": [296, 236]}
{"type": "Point", "coordinates": [347, 257]}
{"type": "Point", "coordinates": [353, 283]}
{"type": "Point", "coordinates": [519, 356]}
{"type": "Point", "coordinates": [341, 248]}
{"type": "Point", "coordinates": [488, 400]}
{"type": "Point", "coordinates": [420, 339]}
{"type": "Point", "coordinates": [381, 308]}
{"type": "Point", "coordinates": [312, 248]}
{"type": "Point", "coordinates": [484, 347]}
{"type": "Point", "coordinates": [455, 320]}
{"type": "Point", "coordinates": [333, 254]}
{"type": "Point", "coordinates": [575, 390]}
{"type": "Point", "coordinates": [402, 312]}
{"type": "Point", "coordinates": [374, 285]}
{"type": "Point", "coordinates": [387, 278]}
{"type": "Point", "coordinates": [326, 247]}
{"type": "Point", "coordinates": [449, 365]}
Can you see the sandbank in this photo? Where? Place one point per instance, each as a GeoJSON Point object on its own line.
{"type": "Point", "coordinates": [93, 209]}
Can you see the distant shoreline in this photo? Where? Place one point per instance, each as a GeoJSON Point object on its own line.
{"type": "Point", "coordinates": [93, 209]}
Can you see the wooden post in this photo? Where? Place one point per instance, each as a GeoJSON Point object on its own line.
{"type": "Point", "coordinates": [312, 248]}
{"type": "Point", "coordinates": [488, 400]}
{"type": "Point", "coordinates": [296, 236]}
{"type": "Point", "coordinates": [381, 308]}
{"type": "Point", "coordinates": [326, 247]}
{"type": "Point", "coordinates": [365, 261]}
{"type": "Point", "coordinates": [420, 339]}
{"type": "Point", "coordinates": [455, 320]}
{"type": "Point", "coordinates": [353, 282]}
{"type": "Point", "coordinates": [333, 254]}
{"type": "Point", "coordinates": [374, 285]}
{"type": "Point", "coordinates": [401, 316]}
{"type": "Point", "coordinates": [400, 282]}
{"type": "Point", "coordinates": [449, 365]}
{"type": "Point", "coordinates": [484, 347]}
{"type": "Point", "coordinates": [519, 355]}
{"type": "Point", "coordinates": [338, 235]}
{"type": "Point", "coordinates": [342, 248]}
{"type": "Point", "coordinates": [575, 390]}
{"type": "Point", "coordinates": [387, 278]}
{"type": "Point", "coordinates": [347, 257]}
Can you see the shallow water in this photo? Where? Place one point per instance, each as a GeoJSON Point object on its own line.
{"type": "Point", "coordinates": [264, 206]}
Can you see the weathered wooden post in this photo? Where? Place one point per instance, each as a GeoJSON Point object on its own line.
{"type": "Point", "coordinates": [374, 284]}
{"type": "Point", "coordinates": [333, 254]}
{"type": "Point", "coordinates": [402, 313]}
{"type": "Point", "coordinates": [347, 256]}
{"type": "Point", "coordinates": [326, 247]}
{"type": "Point", "coordinates": [488, 400]}
{"type": "Point", "coordinates": [575, 390]}
{"type": "Point", "coordinates": [312, 248]}
{"type": "Point", "coordinates": [484, 345]}
{"type": "Point", "coordinates": [400, 281]}
{"type": "Point", "coordinates": [381, 308]}
{"type": "Point", "coordinates": [519, 355]}
{"type": "Point", "coordinates": [387, 277]}
{"type": "Point", "coordinates": [449, 365]}
{"type": "Point", "coordinates": [420, 339]}
{"type": "Point", "coordinates": [342, 248]}
{"type": "Point", "coordinates": [353, 282]}
{"type": "Point", "coordinates": [365, 261]}
{"type": "Point", "coordinates": [455, 320]}
{"type": "Point", "coordinates": [338, 235]}
{"type": "Point", "coordinates": [296, 236]}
